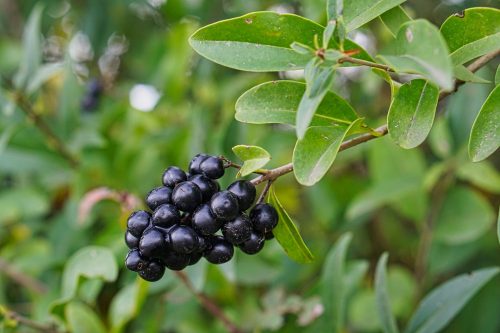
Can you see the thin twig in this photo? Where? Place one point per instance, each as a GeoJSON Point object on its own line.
{"type": "Point", "coordinates": [40, 327]}
{"type": "Point", "coordinates": [209, 304]}
{"type": "Point", "coordinates": [22, 279]}
{"type": "Point", "coordinates": [264, 192]}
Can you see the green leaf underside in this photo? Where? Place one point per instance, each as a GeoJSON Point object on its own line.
{"type": "Point", "coordinates": [333, 286]}
{"type": "Point", "coordinates": [315, 153]}
{"type": "Point", "coordinates": [485, 134]}
{"type": "Point", "coordinates": [382, 297]}
{"type": "Point", "coordinates": [357, 13]}
{"type": "Point", "coordinates": [463, 74]}
{"type": "Point", "coordinates": [444, 302]}
{"type": "Point", "coordinates": [287, 235]}
{"type": "Point", "coordinates": [394, 18]}
{"type": "Point", "coordinates": [419, 48]}
{"type": "Point", "coordinates": [412, 113]}
{"type": "Point", "coordinates": [260, 42]}
{"type": "Point", "coordinates": [278, 101]}
{"type": "Point", "coordinates": [253, 158]}
{"type": "Point", "coordinates": [472, 33]}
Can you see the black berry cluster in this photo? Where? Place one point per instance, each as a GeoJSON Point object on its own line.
{"type": "Point", "coordinates": [192, 218]}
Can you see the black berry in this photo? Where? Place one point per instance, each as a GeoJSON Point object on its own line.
{"type": "Point", "coordinates": [166, 216]}
{"type": "Point", "coordinates": [176, 261]}
{"type": "Point", "coordinates": [264, 217]}
{"type": "Point", "coordinates": [152, 272]}
{"type": "Point", "coordinates": [238, 230]}
{"type": "Point", "coordinates": [153, 243]}
{"type": "Point", "coordinates": [131, 241]}
{"type": "Point", "coordinates": [194, 165]}
{"type": "Point", "coordinates": [159, 196]}
{"type": "Point", "coordinates": [269, 235]}
{"type": "Point", "coordinates": [207, 186]}
{"type": "Point", "coordinates": [219, 251]}
{"type": "Point", "coordinates": [253, 244]}
{"type": "Point", "coordinates": [245, 192]}
{"type": "Point", "coordinates": [138, 222]}
{"type": "Point", "coordinates": [173, 176]}
{"type": "Point", "coordinates": [204, 221]}
{"type": "Point", "coordinates": [134, 261]}
{"type": "Point", "coordinates": [194, 258]}
{"type": "Point", "coordinates": [224, 205]}
{"type": "Point", "coordinates": [183, 239]}
{"type": "Point", "coordinates": [212, 167]}
{"type": "Point", "coordinates": [186, 196]}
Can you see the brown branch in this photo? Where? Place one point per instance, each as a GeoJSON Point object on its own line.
{"type": "Point", "coordinates": [380, 131]}
{"type": "Point", "coordinates": [209, 304]}
{"type": "Point", "coordinates": [22, 279]}
{"type": "Point", "coordinates": [40, 327]}
{"type": "Point", "coordinates": [264, 191]}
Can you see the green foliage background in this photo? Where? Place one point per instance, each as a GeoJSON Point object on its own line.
{"type": "Point", "coordinates": [57, 266]}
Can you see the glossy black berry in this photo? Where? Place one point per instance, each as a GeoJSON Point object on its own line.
{"type": "Point", "coordinates": [264, 217]}
{"type": "Point", "coordinates": [152, 272]}
{"type": "Point", "coordinates": [166, 216]}
{"type": "Point", "coordinates": [183, 239]}
{"type": "Point", "coordinates": [212, 167]}
{"type": "Point", "coordinates": [186, 196]}
{"type": "Point", "coordinates": [204, 221]}
{"type": "Point", "coordinates": [153, 243]}
{"type": "Point", "coordinates": [224, 205]}
{"type": "Point", "coordinates": [138, 222]}
{"type": "Point", "coordinates": [194, 258]}
{"type": "Point", "coordinates": [219, 251]}
{"type": "Point", "coordinates": [237, 230]}
{"type": "Point", "coordinates": [194, 165]}
{"type": "Point", "coordinates": [207, 186]}
{"type": "Point", "coordinates": [176, 261]}
{"type": "Point", "coordinates": [159, 196]}
{"type": "Point", "coordinates": [269, 235]}
{"type": "Point", "coordinates": [253, 244]}
{"type": "Point", "coordinates": [245, 192]}
{"type": "Point", "coordinates": [134, 261]}
{"type": "Point", "coordinates": [131, 241]}
{"type": "Point", "coordinates": [173, 176]}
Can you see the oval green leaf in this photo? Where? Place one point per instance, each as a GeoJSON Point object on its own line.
{"type": "Point", "coordinates": [472, 33]}
{"type": "Point", "coordinates": [463, 74]}
{"type": "Point", "coordinates": [394, 18]}
{"type": "Point", "coordinates": [315, 153]}
{"type": "Point", "coordinates": [382, 297]}
{"type": "Point", "coordinates": [484, 138]}
{"type": "Point", "coordinates": [412, 113]}
{"type": "Point", "coordinates": [278, 101]}
{"type": "Point", "coordinates": [287, 235]}
{"type": "Point", "coordinates": [82, 319]}
{"type": "Point", "coordinates": [419, 48]}
{"type": "Point", "coordinates": [443, 303]}
{"type": "Point", "coordinates": [357, 13]}
{"type": "Point", "coordinates": [253, 158]}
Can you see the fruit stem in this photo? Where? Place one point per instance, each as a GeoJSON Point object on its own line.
{"type": "Point", "coordinates": [264, 191]}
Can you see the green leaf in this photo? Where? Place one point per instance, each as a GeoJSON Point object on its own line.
{"type": "Point", "coordinates": [444, 302]}
{"type": "Point", "coordinates": [333, 286]}
{"type": "Point", "coordinates": [126, 304]}
{"type": "Point", "coordinates": [334, 9]}
{"type": "Point", "coordinates": [253, 158]}
{"type": "Point", "coordinates": [387, 78]}
{"type": "Point", "coordinates": [472, 33]}
{"type": "Point", "coordinates": [483, 175]}
{"type": "Point", "coordinates": [287, 235]}
{"type": "Point", "coordinates": [32, 48]}
{"type": "Point", "coordinates": [464, 217]}
{"type": "Point", "coordinates": [498, 225]}
{"type": "Point", "coordinates": [13, 203]}
{"type": "Point", "coordinates": [485, 134]}
{"type": "Point", "coordinates": [315, 153]}
{"type": "Point", "coordinates": [394, 18]}
{"type": "Point", "coordinates": [420, 48]}
{"type": "Point", "coordinates": [42, 75]}
{"type": "Point", "coordinates": [82, 319]}
{"type": "Point", "coordinates": [382, 297]}
{"type": "Point", "coordinates": [318, 82]}
{"type": "Point", "coordinates": [278, 101]}
{"type": "Point", "coordinates": [357, 13]}
{"type": "Point", "coordinates": [497, 76]}
{"type": "Point", "coordinates": [463, 74]}
{"type": "Point", "coordinates": [412, 113]}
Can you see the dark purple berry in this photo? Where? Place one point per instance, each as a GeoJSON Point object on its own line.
{"type": "Point", "coordinates": [194, 165]}
{"type": "Point", "coordinates": [175, 261]}
{"type": "Point", "coordinates": [183, 239]}
{"type": "Point", "coordinates": [134, 261]}
{"type": "Point", "coordinates": [245, 192]}
{"type": "Point", "coordinates": [237, 230]}
{"type": "Point", "coordinates": [166, 216]}
{"type": "Point", "coordinates": [264, 217]}
{"type": "Point", "coordinates": [153, 243]}
{"type": "Point", "coordinates": [212, 167]}
{"type": "Point", "coordinates": [173, 176]}
{"type": "Point", "coordinates": [194, 258]}
{"type": "Point", "coordinates": [159, 196]}
{"type": "Point", "coordinates": [224, 205]}
{"type": "Point", "coordinates": [94, 87]}
{"type": "Point", "coordinates": [219, 251]}
{"type": "Point", "coordinates": [152, 272]}
{"type": "Point", "coordinates": [138, 222]}
{"type": "Point", "coordinates": [131, 241]}
{"type": "Point", "coordinates": [186, 196]}
{"type": "Point", "coordinates": [253, 244]}
{"type": "Point", "coordinates": [269, 235]}
{"type": "Point", "coordinates": [207, 186]}
{"type": "Point", "coordinates": [204, 221]}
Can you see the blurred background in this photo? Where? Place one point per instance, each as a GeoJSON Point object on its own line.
{"type": "Point", "coordinates": [127, 97]}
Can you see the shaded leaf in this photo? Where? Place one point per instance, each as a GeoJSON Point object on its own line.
{"type": "Point", "coordinates": [462, 73]}
{"type": "Point", "coordinates": [444, 302]}
{"type": "Point", "coordinates": [357, 13]}
{"type": "Point", "coordinates": [126, 304]}
{"type": "Point", "coordinates": [334, 9]}
{"type": "Point", "coordinates": [253, 158]}
{"type": "Point", "coordinates": [420, 48]}
{"type": "Point", "coordinates": [394, 18]}
{"type": "Point", "coordinates": [483, 175]}
{"type": "Point", "coordinates": [13, 204]}
{"type": "Point", "coordinates": [498, 225]}
{"type": "Point", "coordinates": [484, 138]}
{"type": "Point", "coordinates": [382, 297]}
{"type": "Point", "coordinates": [472, 33]}
{"type": "Point", "coordinates": [497, 76]}
{"type": "Point", "coordinates": [412, 113]}
{"type": "Point", "coordinates": [43, 74]}
{"type": "Point", "coordinates": [287, 235]}
{"type": "Point", "coordinates": [82, 319]}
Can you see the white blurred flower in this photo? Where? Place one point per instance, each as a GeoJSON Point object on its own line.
{"type": "Point", "coordinates": [80, 49]}
{"type": "Point", "coordinates": [144, 97]}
